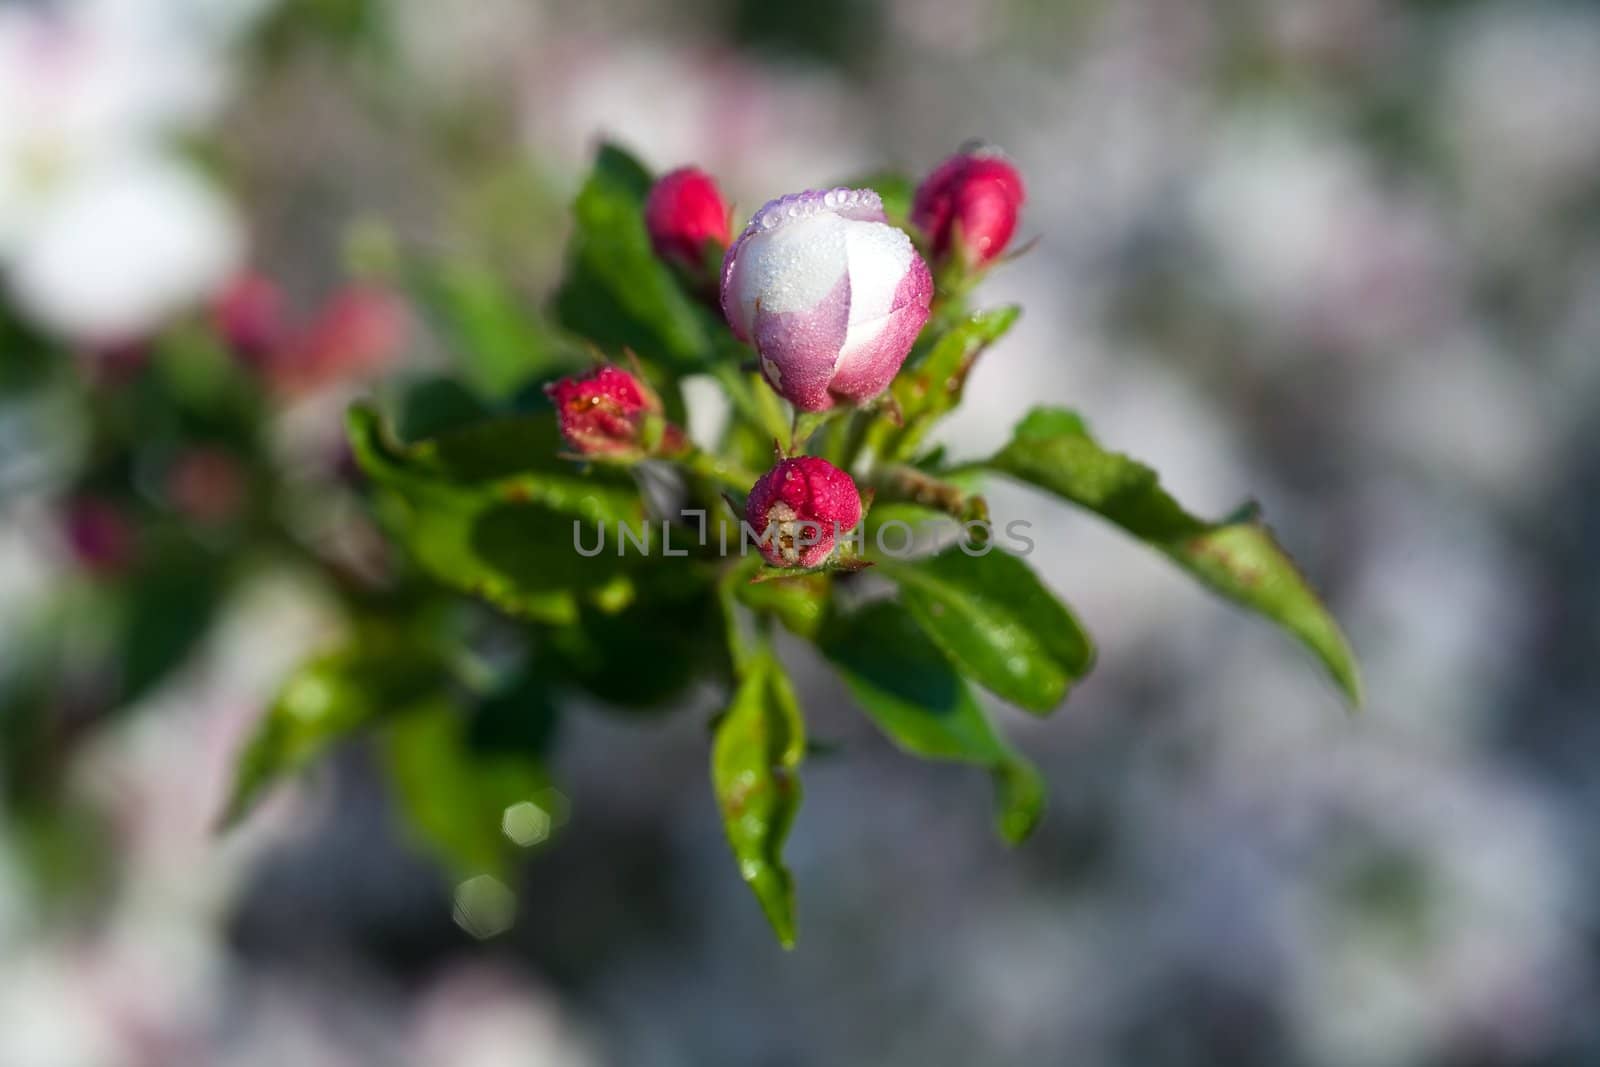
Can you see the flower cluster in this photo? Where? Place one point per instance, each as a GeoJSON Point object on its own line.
{"type": "Point", "coordinates": [837, 327]}
{"type": "Point", "coordinates": [105, 231]}
{"type": "Point", "coordinates": [830, 294]}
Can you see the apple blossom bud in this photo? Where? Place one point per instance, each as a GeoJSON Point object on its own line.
{"type": "Point", "coordinates": [800, 509]}
{"type": "Point", "coordinates": [207, 485]}
{"type": "Point", "coordinates": [685, 213]}
{"type": "Point", "coordinates": [99, 536]}
{"type": "Point", "coordinates": [830, 294]}
{"type": "Point", "coordinates": [604, 413]}
{"type": "Point", "coordinates": [967, 208]}
{"type": "Point", "coordinates": [115, 363]}
{"type": "Point", "coordinates": [250, 316]}
{"type": "Point", "coordinates": [359, 331]}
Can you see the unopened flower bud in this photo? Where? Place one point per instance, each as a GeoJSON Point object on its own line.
{"type": "Point", "coordinates": [98, 535]}
{"type": "Point", "coordinates": [686, 215]}
{"type": "Point", "coordinates": [605, 412]}
{"type": "Point", "coordinates": [360, 331]}
{"type": "Point", "coordinates": [830, 294]}
{"type": "Point", "coordinates": [208, 486]}
{"type": "Point", "coordinates": [249, 314]}
{"type": "Point", "coordinates": [801, 509]}
{"type": "Point", "coordinates": [967, 208]}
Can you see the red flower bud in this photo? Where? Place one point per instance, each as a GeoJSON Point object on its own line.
{"type": "Point", "coordinates": [968, 206]}
{"type": "Point", "coordinates": [601, 413]}
{"type": "Point", "coordinates": [684, 213]}
{"type": "Point", "coordinates": [359, 331]}
{"type": "Point", "coordinates": [805, 503]}
{"type": "Point", "coordinates": [207, 485]}
{"type": "Point", "coordinates": [249, 315]}
{"type": "Point", "coordinates": [99, 536]}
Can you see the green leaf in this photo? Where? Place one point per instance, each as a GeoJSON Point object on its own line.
{"type": "Point", "coordinates": [472, 807]}
{"type": "Point", "coordinates": [328, 698]}
{"type": "Point", "coordinates": [640, 657]}
{"type": "Point", "coordinates": [913, 694]}
{"type": "Point", "coordinates": [1238, 558]}
{"type": "Point", "coordinates": [616, 292]}
{"type": "Point", "coordinates": [429, 407]}
{"type": "Point", "coordinates": [800, 602]}
{"type": "Point", "coordinates": [466, 451]}
{"type": "Point", "coordinates": [498, 340]}
{"type": "Point", "coordinates": [997, 622]}
{"type": "Point", "coordinates": [167, 610]}
{"type": "Point", "coordinates": [941, 370]}
{"type": "Point", "coordinates": [518, 716]}
{"type": "Point", "coordinates": [755, 756]}
{"type": "Point", "coordinates": [935, 376]}
{"type": "Point", "coordinates": [508, 538]}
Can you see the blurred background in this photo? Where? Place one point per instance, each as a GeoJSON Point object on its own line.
{"type": "Point", "coordinates": [1340, 257]}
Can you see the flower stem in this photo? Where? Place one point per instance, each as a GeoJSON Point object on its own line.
{"type": "Point", "coordinates": [751, 399]}
{"type": "Point", "coordinates": [913, 486]}
{"type": "Point", "coordinates": [806, 425]}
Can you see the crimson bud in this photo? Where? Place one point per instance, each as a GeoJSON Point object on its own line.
{"type": "Point", "coordinates": [967, 208]}
{"type": "Point", "coordinates": [603, 412]}
{"type": "Point", "coordinates": [685, 213]}
{"type": "Point", "coordinates": [799, 508]}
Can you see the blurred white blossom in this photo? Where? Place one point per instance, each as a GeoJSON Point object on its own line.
{"type": "Point", "coordinates": [104, 228]}
{"type": "Point", "coordinates": [1311, 243]}
{"type": "Point", "coordinates": [761, 130]}
{"type": "Point", "coordinates": [482, 1016]}
{"type": "Point", "coordinates": [122, 246]}
{"type": "Point", "coordinates": [1520, 113]}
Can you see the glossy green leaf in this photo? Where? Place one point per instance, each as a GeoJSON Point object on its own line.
{"type": "Point", "coordinates": [167, 609]}
{"type": "Point", "coordinates": [326, 700]}
{"type": "Point", "coordinates": [1240, 559]}
{"type": "Point", "coordinates": [472, 807]}
{"type": "Point", "coordinates": [935, 376]}
{"type": "Point", "coordinates": [508, 538]}
{"type": "Point", "coordinates": [498, 340]}
{"type": "Point", "coordinates": [997, 622]}
{"type": "Point", "coordinates": [429, 407]}
{"type": "Point", "coordinates": [30, 676]}
{"type": "Point", "coordinates": [517, 716]}
{"type": "Point", "coordinates": [640, 657]}
{"type": "Point", "coordinates": [941, 370]}
{"type": "Point", "coordinates": [502, 449]}
{"type": "Point", "coordinates": [911, 691]}
{"type": "Point", "coordinates": [616, 292]}
{"type": "Point", "coordinates": [800, 603]}
{"type": "Point", "coordinates": [755, 758]}
{"type": "Point", "coordinates": [29, 362]}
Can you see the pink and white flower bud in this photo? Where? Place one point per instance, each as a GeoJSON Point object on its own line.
{"type": "Point", "coordinates": [685, 214]}
{"type": "Point", "coordinates": [967, 208]}
{"type": "Point", "coordinates": [801, 509]}
{"type": "Point", "coordinates": [830, 294]}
